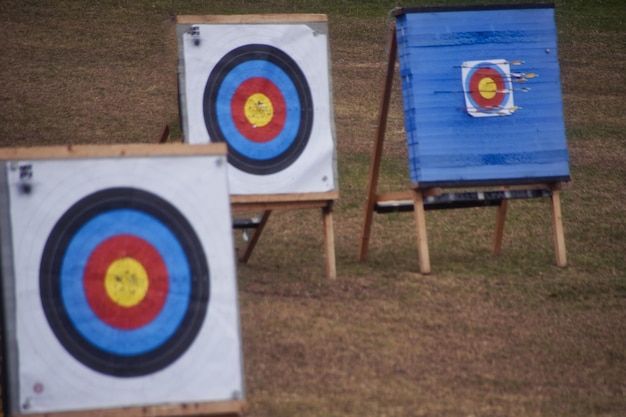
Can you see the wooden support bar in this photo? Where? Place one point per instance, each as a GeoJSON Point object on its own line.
{"type": "Point", "coordinates": [251, 19]}
{"type": "Point", "coordinates": [387, 203]}
{"type": "Point", "coordinates": [287, 205]}
{"type": "Point", "coordinates": [165, 134]}
{"type": "Point", "coordinates": [395, 196]}
{"type": "Point", "coordinates": [283, 198]}
{"type": "Point", "coordinates": [422, 237]}
{"type": "Point", "coordinates": [255, 237]}
{"type": "Point", "coordinates": [557, 225]}
{"type": "Point", "coordinates": [329, 242]}
{"type": "Point", "coordinates": [499, 230]}
{"type": "Point", "coordinates": [281, 201]}
{"type": "Point", "coordinates": [127, 150]}
{"type": "Point", "coordinates": [378, 145]}
{"type": "Point", "coordinates": [223, 409]}
{"type": "Point", "coordinates": [403, 206]}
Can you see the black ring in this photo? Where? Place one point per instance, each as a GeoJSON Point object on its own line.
{"type": "Point", "coordinates": [50, 282]}
{"type": "Point", "coordinates": [290, 67]}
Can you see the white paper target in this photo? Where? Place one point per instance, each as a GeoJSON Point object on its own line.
{"type": "Point", "coordinates": [264, 90]}
{"type": "Point", "coordinates": [124, 282]}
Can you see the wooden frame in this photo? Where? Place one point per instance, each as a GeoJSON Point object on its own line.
{"type": "Point", "coordinates": [222, 409]}
{"type": "Point", "coordinates": [110, 151]}
{"type": "Point", "coordinates": [419, 199]}
{"type": "Point", "coordinates": [251, 19]}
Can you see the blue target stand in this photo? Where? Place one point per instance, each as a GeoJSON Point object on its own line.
{"type": "Point", "coordinates": [260, 84]}
{"type": "Point", "coordinates": [483, 114]}
{"type": "Point", "coordinates": [119, 291]}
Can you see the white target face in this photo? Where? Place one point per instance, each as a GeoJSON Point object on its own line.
{"type": "Point", "coordinates": [487, 88]}
{"type": "Point", "coordinates": [124, 282]}
{"type": "Point", "coordinates": [264, 90]}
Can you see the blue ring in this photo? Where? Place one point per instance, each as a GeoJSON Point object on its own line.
{"type": "Point", "coordinates": [84, 242]}
{"type": "Point", "coordinates": [232, 81]}
{"type": "Point", "coordinates": [269, 157]}
{"type": "Point", "coordinates": [60, 283]}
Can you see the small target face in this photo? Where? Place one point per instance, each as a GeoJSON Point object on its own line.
{"type": "Point", "coordinates": [487, 88]}
{"type": "Point", "coordinates": [123, 281]}
{"type": "Point", "coordinates": [258, 101]}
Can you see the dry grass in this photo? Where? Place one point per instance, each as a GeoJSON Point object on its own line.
{"type": "Point", "coordinates": [482, 336]}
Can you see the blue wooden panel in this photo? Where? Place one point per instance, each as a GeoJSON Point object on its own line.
{"type": "Point", "coordinates": [454, 141]}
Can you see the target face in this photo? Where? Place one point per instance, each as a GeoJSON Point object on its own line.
{"type": "Point", "coordinates": [482, 98]}
{"type": "Point", "coordinates": [123, 286]}
{"type": "Point", "coordinates": [487, 88]}
{"type": "Point", "coordinates": [258, 101]}
{"type": "Point", "coordinates": [264, 90]}
{"type": "Point", "coordinates": [122, 276]}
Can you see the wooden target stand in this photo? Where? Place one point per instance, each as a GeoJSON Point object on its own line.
{"type": "Point", "coordinates": [243, 204]}
{"type": "Point", "coordinates": [420, 199]}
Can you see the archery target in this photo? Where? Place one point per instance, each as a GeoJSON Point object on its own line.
{"type": "Point", "coordinates": [264, 90]}
{"type": "Point", "coordinates": [268, 122]}
{"type": "Point", "coordinates": [475, 111]}
{"type": "Point", "coordinates": [122, 286]}
{"type": "Point", "coordinates": [487, 88]}
{"type": "Point", "coordinates": [124, 282]}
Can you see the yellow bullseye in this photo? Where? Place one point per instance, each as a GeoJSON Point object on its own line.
{"type": "Point", "coordinates": [259, 110]}
{"type": "Point", "coordinates": [487, 88]}
{"type": "Point", "coordinates": [126, 282]}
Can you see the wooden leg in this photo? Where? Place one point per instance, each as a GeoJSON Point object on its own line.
{"type": "Point", "coordinates": [255, 237]}
{"type": "Point", "coordinates": [366, 230]}
{"type": "Point", "coordinates": [329, 241]}
{"type": "Point", "coordinates": [165, 134]}
{"type": "Point", "coordinates": [557, 226]}
{"type": "Point", "coordinates": [420, 227]}
{"type": "Point", "coordinates": [499, 232]}
{"type": "Point", "coordinates": [377, 151]}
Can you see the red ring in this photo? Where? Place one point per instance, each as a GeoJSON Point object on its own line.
{"type": "Point", "coordinates": [272, 92]}
{"type": "Point", "coordinates": [487, 103]}
{"type": "Point", "coordinates": [101, 258]}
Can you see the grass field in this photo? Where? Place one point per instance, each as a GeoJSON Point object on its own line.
{"type": "Point", "coordinates": [480, 336]}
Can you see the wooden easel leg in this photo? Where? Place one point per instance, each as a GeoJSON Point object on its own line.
{"type": "Point", "coordinates": [366, 230]}
{"type": "Point", "coordinates": [329, 241]}
{"type": "Point", "coordinates": [377, 151]}
{"type": "Point", "coordinates": [165, 134]}
{"type": "Point", "coordinates": [499, 232]}
{"type": "Point", "coordinates": [420, 227]}
{"type": "Point", "coordinates": [255, 237]}
{"type": "Point", "coordinates": [557, 225]}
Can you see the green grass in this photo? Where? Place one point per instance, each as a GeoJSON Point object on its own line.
{"type": "Point", "coordinates": [484, 336]}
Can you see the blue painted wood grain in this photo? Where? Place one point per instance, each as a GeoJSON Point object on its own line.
{"type": "Point", "coordinates": [446, 144]}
